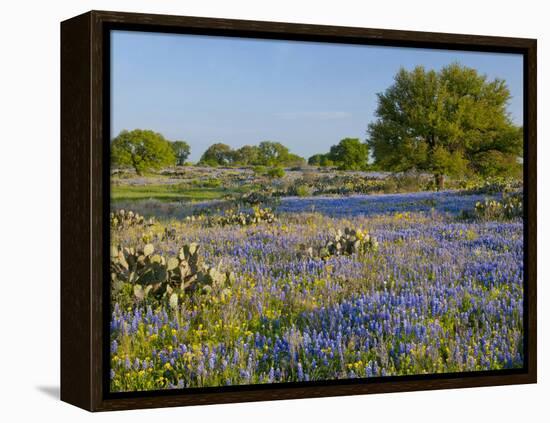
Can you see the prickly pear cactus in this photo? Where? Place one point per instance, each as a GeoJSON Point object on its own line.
{"type": "Point", "coordinates": [169, 234]}
{"type": "Point", "coordinates": [349, 242]}
{"type": "Point", "coordinates": [121, 219]}
{"type": "Point", "coordinates": [231, 217]}
{"type": "Point", "coordinates": [509, 207]}
{"type": "Point", "coordinates": [155, 277]}
{"type": "Point", "coordinates": [257, 198]}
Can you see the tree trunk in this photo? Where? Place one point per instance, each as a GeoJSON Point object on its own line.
{"type": "Point", "coordinates": [440, 181]}
{"type": "Point", "coordinates": [134, 165]}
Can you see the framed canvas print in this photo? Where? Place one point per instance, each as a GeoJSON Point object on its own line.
{"type": "Point", "coordinates": [259, 210]}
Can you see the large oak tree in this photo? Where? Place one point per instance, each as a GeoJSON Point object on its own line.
{"type": "Point", "coordinates": [451, 122]}
{"type": "Point", "coordinates": [143, 150]}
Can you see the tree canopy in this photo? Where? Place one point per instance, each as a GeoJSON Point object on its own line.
{"type": "Point", "coordinates": [267, 153]}
{"type": "Point", "coordinates": [142, 149]}
{"type": "Point", "coordinates": [349, 154]}
{"type": "Point", "coordinates": [293, 160]}
{"type": "Point", "coordinates": [247, 155]}
{"type": "Point", "coordinates": [218, 154]}
{"type": "Point", "coordinates": [272, 153]}
{"type": "Point", "coordinates": [181, 151]}
{"type": "Point", "coordinates": [451, 122]}
{"type": "Point", "coordinates": [315, 160]}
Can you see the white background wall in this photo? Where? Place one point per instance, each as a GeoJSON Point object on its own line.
{"type": "Point", "coordinates": [29, 209]}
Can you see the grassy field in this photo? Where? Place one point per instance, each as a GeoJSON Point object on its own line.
{"type": "Point", "coordinates": [169, 193]}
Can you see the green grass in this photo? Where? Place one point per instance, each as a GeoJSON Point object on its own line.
{"type": "Point", "coordinates": [168, 192]}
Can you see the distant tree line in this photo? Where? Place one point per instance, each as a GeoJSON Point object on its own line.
{"type": "Point", "coordinates": [145, 150]}
{"type": "Point", "coordinates": [449, 122]}
{"type": "Point", "coordinates": [267, 153]}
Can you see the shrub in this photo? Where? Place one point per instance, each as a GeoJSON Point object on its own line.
{"type": "Point", "coordinates": [389, 186]}
{"type": "Point", "coordinates": [303, 191]}
{"type": "Point", "coordinates": [259, 170]}
{"type": "Point", "coordinates": [407, 182]}
{"type": "Point", "coordinates": [276, 172]}
{"type": "Point", "coordinates": [210, 183]}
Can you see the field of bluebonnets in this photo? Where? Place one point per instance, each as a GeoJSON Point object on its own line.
{"type": "Point", "coordinates": [310, 284]}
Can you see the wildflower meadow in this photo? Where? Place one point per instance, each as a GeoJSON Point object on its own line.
{"type": "Point", "coordinates": [433, 292]}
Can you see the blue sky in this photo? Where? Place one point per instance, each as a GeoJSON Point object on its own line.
{"type": "Point", "coordinates": [238, 91]}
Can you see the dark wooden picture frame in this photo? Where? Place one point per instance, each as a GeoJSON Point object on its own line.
{"type": "Point", "coordinates": [85, 189]}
